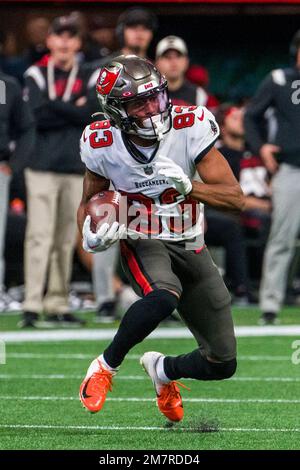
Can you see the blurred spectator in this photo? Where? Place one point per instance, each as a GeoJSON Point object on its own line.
{"type": "Point", "coordinates": [62, 104]}
{"type": "Point", "coordinates": [2, 44]}
{"type": "Point", "coordinates": [249, 169]}
{"type": "Point", "coordinates": [16, 124]}
{"type": "Point", "coordinates": [230, 119]}
{"type": "Point", "coordinates": [100, 39]}
{"type": "Point", "coordinates": [37, 31]}
{"type": "Point", "coordinates": [172, 60]}
{"type": "Point", "coordinates": [81, 23]}
{"type": "Point", "coordinates": [225, 229]}
{"type": "Point", "coordinates": [281, 155]}
{"type": "Point", "coordinates": [10, 63]}
{"type": "Point", "coordinates": [4, 59]}
{"type": "Point", "coordinates": [252, 175]}
{"type": "Point", "coordinates": [14, 249]}
{"type": "Point", "coordinates": [135, 30]}
{"type": "Point", "coordinates": [104, 268]}
{"type": "Point", "coordinates": [11, 48]}
{"type": "Point", "coordinates": [199, 75]}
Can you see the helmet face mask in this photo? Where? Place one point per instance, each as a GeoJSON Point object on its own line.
{"type": "Point", "coordinates": [148, 114]}
{"type": "Point", "coordinates": [134, 96]}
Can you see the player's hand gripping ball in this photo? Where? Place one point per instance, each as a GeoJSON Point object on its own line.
{"type": "Point", "coordinates": [101, 227]}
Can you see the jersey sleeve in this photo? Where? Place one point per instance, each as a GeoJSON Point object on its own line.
{"type": "Point", "coordinates": [203, 134]}
{"type": "Point", "coordinates": [92, 158]}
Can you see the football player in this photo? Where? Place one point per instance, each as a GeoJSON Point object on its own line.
{"type": "Point", "coordinates": [151, 152]}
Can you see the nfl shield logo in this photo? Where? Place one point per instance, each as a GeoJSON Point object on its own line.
{"type": "Point", "coordinates": [213, 127]}
{"type": "Point", "coordinates": [148, 170]}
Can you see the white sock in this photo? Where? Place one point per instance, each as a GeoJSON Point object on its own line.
{"type": "Point", "coordinates": [107, 366]}
{"type": "Point", "coordinates": [161, 371]}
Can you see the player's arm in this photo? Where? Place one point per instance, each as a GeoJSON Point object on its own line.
{"type": "Point", "coordinates": [220, 188]}
{"type": "Point", "coordinates": [92, 184]}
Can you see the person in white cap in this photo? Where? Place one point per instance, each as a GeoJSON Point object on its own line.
{"type": "Point", "coordinates": [172, 61]}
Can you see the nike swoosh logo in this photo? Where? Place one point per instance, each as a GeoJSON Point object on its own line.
{"type": "Point", "coordinates": [178, 403]}
{"type": "Point", "coordinates": [202, 116]}
{"type": "Point", "coordinates": [84, 394]}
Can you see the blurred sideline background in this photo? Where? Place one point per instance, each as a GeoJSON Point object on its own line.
{"type": "Point", "coordinates": [237, 44]}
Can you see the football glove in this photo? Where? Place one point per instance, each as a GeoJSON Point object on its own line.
{"type": "Point", "coordinates": [105, 236]}
{"type": "Point", "coordinates": [175, 174]}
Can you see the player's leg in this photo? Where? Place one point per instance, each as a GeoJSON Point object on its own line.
{"type": "Point", "coordinates": [148, 266]}
{"type": "Point", "coordinates": [41, 215]}
{"type": "Point", "coordinates": [205, 307]}
{"type": "Point", "coordinates": [281, 244]}
{"type": "Point", "coordinates": [149, 269]}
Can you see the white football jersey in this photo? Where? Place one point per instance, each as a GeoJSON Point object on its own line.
{"type": "Point", "coordinates": [156, 209]}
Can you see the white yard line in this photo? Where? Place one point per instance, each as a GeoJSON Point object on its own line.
{"type": "Point", "coordinates": [130, 356]}
{"type": "Point", "coordinates": [264, 358]}
{"type": "Point", "coordinates": [53, 356]}
{"type": "Point", "coordinates": [134, 377]}
{"type": "Point", "coordinates": [139, 399]}
{"type": "Point", "coordinates": [105, 334]}
{"type": "Point", "coordinates": [140, 428]}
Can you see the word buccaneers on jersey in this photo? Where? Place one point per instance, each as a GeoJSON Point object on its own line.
{"type": "Point", "coordinates": [154, 207]}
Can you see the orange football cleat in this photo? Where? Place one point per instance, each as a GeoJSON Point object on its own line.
{"type": "Point", "coordinates": [94, 388]}
{"type": "Point", "coordinates": [169, 400]}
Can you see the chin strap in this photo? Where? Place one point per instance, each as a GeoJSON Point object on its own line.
{"type": "Point", "coordinates": [153, 128]}
{"type": "Point", "coordinates": [158, 128]}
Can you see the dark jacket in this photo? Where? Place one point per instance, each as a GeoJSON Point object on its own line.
{"type": "Point", "coordinates": [279, 91]}
{"type": "Point", "coordinates": [59, 124]}
{"type": "Point", "coordinates": [16, 124]}
{"type": "Point", "coordinates": [188, 94]}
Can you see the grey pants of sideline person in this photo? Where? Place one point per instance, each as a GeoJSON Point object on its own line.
{"type": "Point", "coordinates": [103, 273]}
{"type": "Point", "coordinates": [52, 201]}
{"type": "Point", "coordinates": [4, 191]}
{"type": "Point", "coordinates": [285, 229]}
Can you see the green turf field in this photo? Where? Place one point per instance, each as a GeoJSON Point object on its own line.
{"type": "Point", "coordinates": [258, 409]}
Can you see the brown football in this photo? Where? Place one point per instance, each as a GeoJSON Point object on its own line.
{"type": "Point", "coordinates": [103, 207]}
